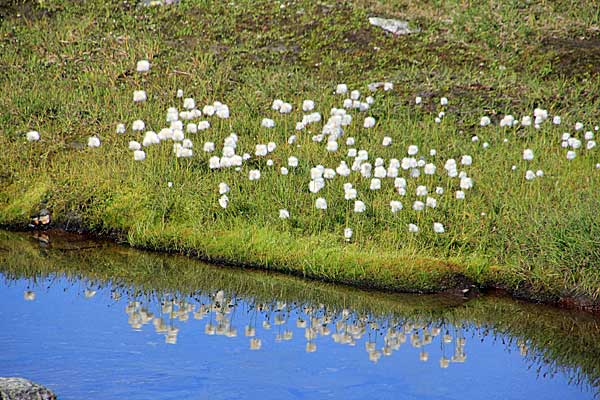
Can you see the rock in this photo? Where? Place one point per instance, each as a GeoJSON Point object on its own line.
{"type": "Point", "coordinates": [396, 26]}
{"type": "Point", "coordinates": [23, 389]}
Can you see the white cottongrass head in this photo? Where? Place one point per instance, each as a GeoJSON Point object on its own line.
{"type": "Point", "coordinates": [387, 141]}
{"type": "Point", "coordinates": [121, 128]}
{"type": "Point", "coordinates": [143, 66]}
{"type": "Point", "coordinates": [413, 150]}
{"type": "Point", "coordinates": [529, 175]}
{"type": "Point", "coordinates": [395, 206]}
{"type": "Point", "coordinates": [93, 141]}
{"type": "Point", "coordinates": [359, 206]}
{"type": "Point", "coordinates": [369, 122]}
{"type": "Point", "coordinates": [348, 233]}
{"type": "Point", "coordinates": [138, 125]}
{"type": "Point", "coordinates": [134, 145]}
{"type": "Point", "coordinates": [418, 205]}
{"type": "Point", "coordinates": [444, 101]}
{"type": "Point", "coordinates": [341, 88]}
{"type": "Point", "coordinates": [224, 201]}
{"type": "Point", "coordinates": [571, 155]}
{"type": "Point", "coordinates": [254, 175]}
{"type": "Point", "coordinates": [139, 155]}
{"type": "Point", "coordinates": [33, 136]}
{"type": "Point", "coordinates": [223, 188]}
{"type": "Point", "coordinates": [485, 121]}
{"type": "Point", "coordinates": [308, 105]}
{"type": "Point", "coordinates": [527, 154]}
{"type": "Point", "coordinates": [189, 103]}
{"type": "Point", "coordinates": [438, 227]}
{"type": "Point", "coordinates": [139, 96]}
{"type": "Point", "coordinates": [285, 108]}
{"type": "Point", "coordinates": [321, 204]}
{"type": "Point", "coordinates": [413, 228]}
{"type": "Point", "coordinates": [284, 214]}
{"type": "Point", "coordinates": [267, 123]}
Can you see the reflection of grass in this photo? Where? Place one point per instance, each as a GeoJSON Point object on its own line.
{"type": "Point", "coordinates": [66, 70]}
{"type": "Point", "coordinates": [557, 340]}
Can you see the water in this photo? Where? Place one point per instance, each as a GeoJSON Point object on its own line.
{"type": "Point", "coordinates": [90, 319]}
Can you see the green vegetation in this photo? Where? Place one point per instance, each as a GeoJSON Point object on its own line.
{"type": "Point", "coordinates": [67, 69]}
{"type": "Point", "coordinates": [557, 341]}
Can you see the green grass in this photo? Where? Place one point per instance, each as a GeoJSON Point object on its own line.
{"type": "Point", "coordinates": [68, 70]}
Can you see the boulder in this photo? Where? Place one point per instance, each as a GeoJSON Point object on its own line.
{"type": "Point", "coordinates": [23, 389]}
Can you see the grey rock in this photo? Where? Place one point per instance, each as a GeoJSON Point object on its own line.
{"type": "Point", "coordinates": [396, 26]}
{"type": "Point", "coordinates": [23, 389]}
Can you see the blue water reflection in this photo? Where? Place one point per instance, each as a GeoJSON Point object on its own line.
{"type": "Point", "coordinates": [96, 342]}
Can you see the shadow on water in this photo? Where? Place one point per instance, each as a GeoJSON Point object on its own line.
{"type": "Point", "coordinates": [165, 291]}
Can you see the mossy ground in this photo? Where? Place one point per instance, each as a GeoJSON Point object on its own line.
{"type": "Point", "coordinates": [67, 69]}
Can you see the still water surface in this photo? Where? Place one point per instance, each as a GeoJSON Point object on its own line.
{"type": "Point", "coordinates": [92, 320]}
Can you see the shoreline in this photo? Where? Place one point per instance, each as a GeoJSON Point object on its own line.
{"type": "Point", "coordinates": [453, 281]}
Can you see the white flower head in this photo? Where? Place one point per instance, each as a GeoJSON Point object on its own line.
{"type": "Point", "coordinates": [359, 206]}
{"type": "Point", "coordinates": [189, 103]}
{"type": "Point", "coordinates": [444, 101]}
{"type": "Point", "coordinates": [341, 88]}
{"type": "Point", "coordinates": [485, 121]}
{"type": "Point", "coordinates": [321, 204]}
{"type": "Point", "coordinates": [308, 105]}
{"type": "Point", "coordinates": [348, 233]}
{"type": "Point", "coordinates": [578, 126]}
{"type": "Point", "coordinates": [33, 136]}
{"type": "Point", "coordinates": [285, 108]}
{"type": "Point", "coordinates": [254, 175]}
{"type": "Point", "coordinates": [121, 128]}
{"type": "Point", "coordinates": [571, 155]}
{"type": "Point", "coordinates": [413, 150]}
{"type": "Point", "coordinates": [529, 175]}
{"type": "Point", "coordinates": [93, 141]}
{"type": "Point", "coordinates": [429, 169]}
{"type": "Point", "coordinates": [413, 228]}
{"type": "Point", "coordinates": [438, 228]}
{"type": "Point", "coordinates": [223, 188]}
{"type": "Point", "coordinates": [284, 214]}
{"type": "Point", "coordinates": [139, 155]}
{"type": "Point", "coordinates": [133, 145]}
{"type": "Point", "coordinates": [224, 201]}
{"type": "Point", "coordinates": [143, 66]}
{"type": "Point", "coordinates": [395, 206]}
{"type": "Point", "coordinates": [375, 184]}
{"type": "Point", "coordinates": [369, 122]}
{"type": "Point", "coordinates": [527, 154]}
{"type": "Point", "coordinates": [138, 125]}
{"type": "Point", "coordinates": [139, 96]}
{"type": "Point", "coordinates": [267, 123]}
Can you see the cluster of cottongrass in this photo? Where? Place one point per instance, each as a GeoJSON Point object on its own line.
{"type": "Point", "coordinates": [345, 175]}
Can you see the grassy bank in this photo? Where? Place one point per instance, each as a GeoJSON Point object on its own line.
{"type": "Point", "coordinates": [67, 70]}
